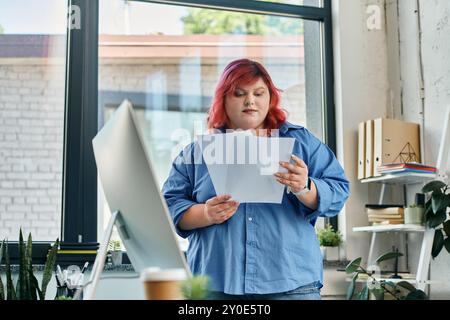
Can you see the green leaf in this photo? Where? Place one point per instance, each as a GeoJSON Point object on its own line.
{"type": "Point", "coordinates": [2, 287]}
{"type": "Point", "coordinates": [49, 266]}
{"type": "Point", "coordinates": [438, 202]}
{"type": "Point", "coordinates": [435, 220]}
{"type": "Point", "coordinates": [438, 243]}
{"type": "Point", "coordinates": [378, 293]}
{"type": "Point", "coordinates": [10, 291]}
{"type": "Point", "coordinates": [351, 287]}
{"type": "Point", "coordinates": [353, 266]}
{"type": "Point", "coordinates": [195, 288]}
{"type": "Point", "coordinates": [447, 244]}
{"type": "Point", "coordinates": [2, 248]}
{"type": "Point", "coordinates": [364, 294]}
{"type": "Point", "coordinates": [447, 228]}
{"type": "Point", "coordinates": [433, 186]}
{"type": "Point", "coordinates": [388, 256]}
{"type": "Point", "coordinates": [405, 284]}
{"type": "Point", "coordinates": [35, 285]}
{"type": "Point", "coordinates": [29, 255]}
{"type": "Point", "coordinates": [23, 286]}
{"type": "Point", "coordinates": [416, 295]}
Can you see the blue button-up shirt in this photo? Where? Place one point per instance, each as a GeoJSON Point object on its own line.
{"type": "Point", "coordinates": [263, 248]}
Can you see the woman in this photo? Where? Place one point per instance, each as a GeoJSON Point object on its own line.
{"type": "Point", "coordinates": [256, 250]}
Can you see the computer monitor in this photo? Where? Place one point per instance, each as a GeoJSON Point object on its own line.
{"type": "Point", "coordinates": [132, 192]}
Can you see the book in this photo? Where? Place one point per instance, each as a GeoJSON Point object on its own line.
{"type": "Point", "coordinates": [386, 222]}
{"type": "Point", "coordinates": [401, 167]}
{"type": "Point", "coordinates": [385, 211]}
{"type": "Point", "coordinates": [406, 170]}
{"type": "Point", "coordinates": [382, 206]}
{"type": "Point", "coordinates": [386, 216]}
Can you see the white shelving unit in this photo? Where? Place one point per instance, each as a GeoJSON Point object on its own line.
{"type": "Point", "coordinates": [421, 277]}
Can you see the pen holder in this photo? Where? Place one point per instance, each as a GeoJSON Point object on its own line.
{"type": "Point", "coordinates": [64, 292]}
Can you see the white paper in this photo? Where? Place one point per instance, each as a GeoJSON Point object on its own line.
{"type": "Point", "coordinates": [242, 165]}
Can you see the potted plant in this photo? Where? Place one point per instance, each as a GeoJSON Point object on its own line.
{"type": "Point", "coordinates": [330, 241]}
{"type": "Point", "coordinates": [27, 286]}
{"type": "Point", "coordinates": [436, 214]}
{"type": "Point", "coordinates": [380, 289]}
{"type": "Point", "coordinates": [115, 252]}
{"type": "Point", "coordinates": [414, 214]}
{"type": "Point", "coordinates": [195, 288]}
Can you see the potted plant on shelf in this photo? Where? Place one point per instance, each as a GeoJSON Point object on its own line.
{"type": "Point", "coordinates": [115, 252]}
{"type": "Point", "coordinates": [436, 209]}
{"type": "Point", "coordinates": [330, 241]}
{"type": "Point", "coordinates": [27, 286]}
{"type": "Point", "coordinates": [379, 289]}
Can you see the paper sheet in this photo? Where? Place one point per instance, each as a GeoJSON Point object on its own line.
{"type": "Point", "coordinates": [242, 165]}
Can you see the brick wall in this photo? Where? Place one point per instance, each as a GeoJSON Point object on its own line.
{"type": "Point", "coordinates": [31, 127]}
{"type": "Point", "coordinates": [31, 133]}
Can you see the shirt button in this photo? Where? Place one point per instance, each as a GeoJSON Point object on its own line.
{"type": "Point", "coordinates": [250, 219]}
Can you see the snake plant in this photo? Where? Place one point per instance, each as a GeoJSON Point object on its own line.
{"type": "Point", "coordinates": [27, 286]}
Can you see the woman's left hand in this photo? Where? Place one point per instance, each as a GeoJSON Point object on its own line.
{"type": "Point", "coordinates": [297, 176]}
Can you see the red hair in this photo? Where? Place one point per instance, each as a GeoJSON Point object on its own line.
{"type": "Point", "coordinates": [244, 72]}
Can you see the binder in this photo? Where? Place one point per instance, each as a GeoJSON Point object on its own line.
{"type": "Point", "coordinates": [369, 149]}
{"type": "Point", "coordinates": [395, 141]}
{"type": "Point", "coordinates": [378, 145]}
{"type": "Point", "coordinates": [361, 150]}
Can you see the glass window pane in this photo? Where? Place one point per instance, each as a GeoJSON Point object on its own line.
{"type": "Point", "coordinates": [311, 3]}
{"type": "Point", "coordinates": [32, 77]}
{"type": "Point", "coordinates": [167, 61]}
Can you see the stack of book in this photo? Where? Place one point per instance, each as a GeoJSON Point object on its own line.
{"type": "Point", "coordinates": [405, 167]}
{"type": "Point", "coordinates": [385, 214]}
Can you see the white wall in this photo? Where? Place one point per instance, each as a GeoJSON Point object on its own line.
{"type": "Point", "coordinates": [377, 73]}
{"type": "Point", "coordinates": [434, 47]}
{"type": "Point", "coordinates": [362, 93]}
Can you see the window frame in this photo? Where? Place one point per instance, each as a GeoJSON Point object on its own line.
{"type": "Point", "coordinates": [81, 114]}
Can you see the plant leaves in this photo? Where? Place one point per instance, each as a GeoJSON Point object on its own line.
{"type": "Point", "coordinates": [378, 293]}
{"type": "Point", "coordinates": [2, 247]}
{"type": "Point", "coordinates": [49, 266]}
{"type": "Point", "coordinates": [23, 285]}
{"type": "Point", "coordinates": [438, 202]}
{"type": "Point", "coordinates": [447, 244]}
{"type": "Point", "coordinates": [446, 228]}
{"type": "Point", "coordinates": [416, 295]}
{"type": "Point", "coordinates": [30, 275]}
{"type": "Point", "coordinates": [364, 294]}
{"type": "Point", "coordinates": [433, 186]}
{"type": "Point", "coordinates": [388, 256]}
{"type": "Point", "coordinates": [2, 287]}
{"type": "Point", "coordinates": [405, 284]}
{"type": "Point", "coordinates": [351, 287]}
{"type": "Point", "coordinates": [438, 243]}
{"type": "Point", "coordinates": [353, 266]}
{"type": "Point", "coordinates": [10, 291]}
{"type": "Point", "coordinates": [435, 220]}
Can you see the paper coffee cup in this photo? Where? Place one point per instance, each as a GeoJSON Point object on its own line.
{"type": "Point", "coordinates": [163, 284]}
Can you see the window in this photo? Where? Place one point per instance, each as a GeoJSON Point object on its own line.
{"type": "Point", "coordinates": [157, 56]}
{"type": "Point", "coordinates": [32, 73]}
{"type": "Point", "coordinates": [167, 60]}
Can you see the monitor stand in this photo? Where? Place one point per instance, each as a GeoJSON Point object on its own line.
{"type": "Point", "coordinates": [91, 286]}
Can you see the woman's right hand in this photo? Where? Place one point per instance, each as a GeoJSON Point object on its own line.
{"type": "Point", "coordinates": [219, 209]}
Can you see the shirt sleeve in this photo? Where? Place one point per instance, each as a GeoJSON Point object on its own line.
{"type": "Point", "coordinates": [177, 190]}
{"type": "Point", "coordinates": [330, 180]}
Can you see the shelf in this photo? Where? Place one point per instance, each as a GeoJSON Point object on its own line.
{"type": "Point", "coordinates": [412, 281]}
{"type": "Point", "coordinates": [402, 178]}
{"type": "Point", "coordinates": [391, 228]}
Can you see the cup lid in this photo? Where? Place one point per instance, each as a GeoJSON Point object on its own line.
{"type": "Point", "coordinates": [158, 274]}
